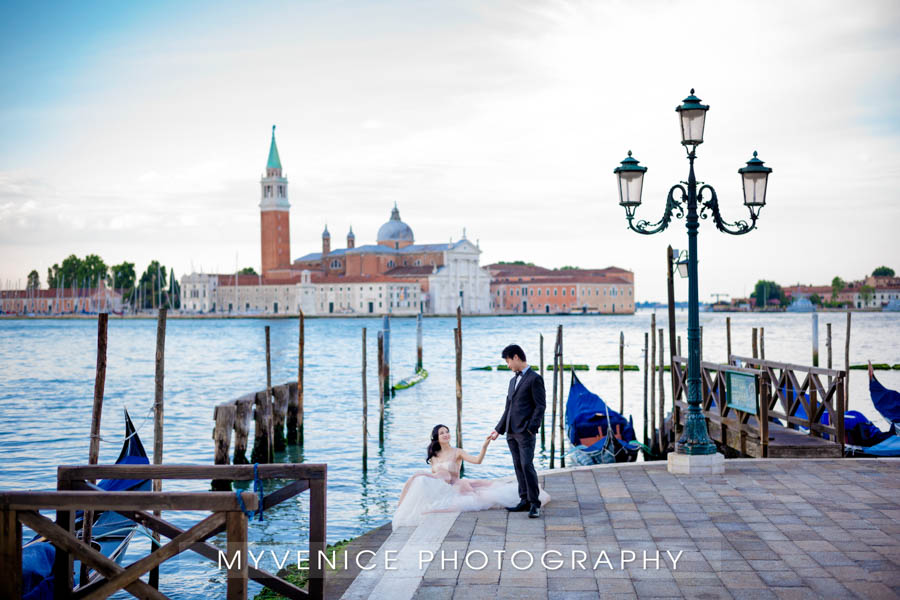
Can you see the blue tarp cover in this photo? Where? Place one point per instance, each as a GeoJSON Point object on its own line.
{"type": "Point", "coordinates": [586, 411]}
{"type": "Point", "coordinates": [887, 402]}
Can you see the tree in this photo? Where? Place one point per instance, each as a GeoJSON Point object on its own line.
{"type": "Point", "coordinates": [122, 277]}
{"type": "Point", "coordinates": [152, 284]}
{"type": "Point", "coordinates": [77, 272]}
{"type": "Point", "coordinates": [568, 268]}
{"type": "Point", "coordinates": [516, 262]}
{"type": "Point", "coordinates": [816, 299]}
{"type": "Point", "coordinates": [765, 291]}
{"type": "Point", "coordinates": [34, 280]}
{"type": "Point", "coordinates": [883, 272]}
{"type": "Point", "coordinates": [837, 286]}
{"type": "Point", "coordinates": [248, 271]}
{"type": "Point", "coordinates": [865, 293]}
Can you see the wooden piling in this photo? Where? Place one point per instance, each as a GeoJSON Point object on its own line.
{"type": "Point", "coordinates": [755, 344]}
{"type": "Point", "coordinates": [418, 342]}
{"type": "Point", "coordinates": [96, 414]}
{"type": "Point", "coordinates": [815, 339]}
{"type": "Point", "coordinates": [762, 343]}
{"type": "Point", "coordinates": [300, 384]}
{"type": "Point", "coordinates": [653, 432]}
{"type": "Point", "coordinates": [380, 387]}
{"type": "Point", "coordinates": [293, 410]}
{"type": "Point", "coordinates": [622, 369]}
{"type": "Point", "coordinates": [262, 418]}
{"type": "Point", "coordinates": [271, 421]}
{"type": "Point", "coordinates": [646, 369]}
{"type": "Point", "coordinates": [847, 366]}
{"type": "Point", "coordinates": [223, 416]}
{"type": "Point", "coordinates": [662, 395]}
{"type": "Point", "coordinates": [386, 356]}
{"type": "Point", "coordinates": [828, 349]}
{"type": "Point", "coordinates": [556, 370]}
{"type": "Point", "coordinates": [457, 342]}
{"type": "Point", "coordinates": [153, 578]}
{"type": "Point", "coordinates": [243, 413]}
{"type": "Point", "coordinates": [365, 404]}
{"type": "Point", "coordinates": [562, 404]}
{"type": "Point", "coordinates": [679, 346]}
{"type": "Point", "coordinates": [541, 345]}
{"type": "Point", "coordinates": [727, 340]}
{"type": "Point", "coordinates": [280, 397]}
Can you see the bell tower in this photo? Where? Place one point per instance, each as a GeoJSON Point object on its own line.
{"type": "Point", "coordinates": [274, 215]}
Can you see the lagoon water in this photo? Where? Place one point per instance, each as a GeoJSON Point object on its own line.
{"type": "Point", "coordinates": [47, 375]}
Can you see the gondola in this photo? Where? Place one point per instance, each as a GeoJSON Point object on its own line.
{"type": "Point", "coordinates": [111, 532]}
{"type": "Point", "coordinates": [588, 421]}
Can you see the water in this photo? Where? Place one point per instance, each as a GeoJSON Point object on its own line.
{"type": "Point", "coordinates": [47, 376]}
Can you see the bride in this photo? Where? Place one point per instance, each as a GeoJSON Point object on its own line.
{"type": "Point", "coordinates": [442, 490]}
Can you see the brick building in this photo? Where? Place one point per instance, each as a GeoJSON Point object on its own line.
{"type": "Point", "coordinates": [527, 289]}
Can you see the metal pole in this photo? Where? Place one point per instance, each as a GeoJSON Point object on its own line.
{"type": "Point", "coordinates": [695, 439]}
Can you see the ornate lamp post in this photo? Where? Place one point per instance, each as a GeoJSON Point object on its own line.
{"type": "Point", "coordinates": [695, 441]}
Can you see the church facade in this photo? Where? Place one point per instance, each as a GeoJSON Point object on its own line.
{"type": "Point", "coordinates": [395, 275]}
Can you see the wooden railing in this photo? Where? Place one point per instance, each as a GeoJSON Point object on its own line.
{"type": "Point", "coordinates": [789, 393]}
{"type": "Point", "coordinates": [726, 425]}
{"type": "Point", "coordinates": [74, 492]}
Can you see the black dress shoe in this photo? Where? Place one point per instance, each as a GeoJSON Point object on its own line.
{"type": "Point", "coordinates": [520, 507]}
{"type": "Point", "coordinates": [534, 512]}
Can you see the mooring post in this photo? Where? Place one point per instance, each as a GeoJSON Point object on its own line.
{"type": "Point", "coordinates": [762, 343]}
{"type": "Point", "coordinates": [662, 395]}
{"type": "Point", "coordinates": [646, 368]}
{"type": "Point", "coordinates": [386, 365]}
{"type": "Point", "coordinates": [280, 399]}
{"type": "Point", "coordinates": [459, 393]}
{"type": "Point", "coordinates": [562, 409]}
{"type": "Point", "coordinates": [380, 387]}
{"type": "Point", "coordinates": [828, 348]}
{"type": "Point", "coordinates": [622, 371]}
{"type": "Point", "coordinates": [755, 343]}
{"type": "Point", "coordinates": [242, 415]}
{"type": "Point", "coordinates": [269, 399]}
{"type": "Point", "coordinates": [419, 364]}
{"type": "Point", "coordinates": [541, 345]}
{"type": "Point", "coordinates": [553, 403]}
{"type": "Point", "coordinates": [153, 578]}
{"type": "Point", "coordinates": [679, 346]}
{"type": "Point", "coordinates": [654, 437]}
{"type": "Point", "coordinates": [815, 339]}
{"type": "Point", "coordinates": [223, 415]}
{"type": "Point", "coordinates": [293, 409]}
{"type": "Point", "coordinates": [727, 340]}
{"type": "Point", "coordinates": [847, 366]}
{"type": "Point", "coordinates": [365, 406]}
{"type": "Point", "coordinates": [300, 385]}
{"type": "Point", "coordinates": [96, 414]}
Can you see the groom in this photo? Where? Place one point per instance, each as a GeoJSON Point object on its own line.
{"type": "Point", "coordinates": [521, 420]}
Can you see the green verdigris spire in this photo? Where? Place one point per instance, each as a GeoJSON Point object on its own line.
{"type": "Point", "coordinates": [274, 161]}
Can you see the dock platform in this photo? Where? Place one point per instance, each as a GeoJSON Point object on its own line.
{"type": "Point", "coordinates": [767, 528]}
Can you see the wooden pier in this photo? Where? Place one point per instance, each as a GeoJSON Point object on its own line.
{"type": "Point", "coordinates": [772, 428]}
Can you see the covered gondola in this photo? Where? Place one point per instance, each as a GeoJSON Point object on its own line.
{"type": "Point", "coordinates": [111, 532]}
{"type": "Point", "coordinates": [588, 424]}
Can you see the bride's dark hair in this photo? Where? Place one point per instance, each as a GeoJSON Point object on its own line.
{"type": "Point", "coordinates": [434, 445]}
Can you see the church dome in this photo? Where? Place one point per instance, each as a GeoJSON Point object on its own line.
{"type": "Point", "coordinates": [395, 230]}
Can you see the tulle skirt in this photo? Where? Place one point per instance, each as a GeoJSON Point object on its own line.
{"type": "Point", "coordinates": [429, 495]}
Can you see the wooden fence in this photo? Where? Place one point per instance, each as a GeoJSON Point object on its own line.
{"type": "Point", "coordinates": [74, 492]}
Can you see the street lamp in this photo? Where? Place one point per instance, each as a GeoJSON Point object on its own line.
{"type": "Point", "coordinates": [695, 440]}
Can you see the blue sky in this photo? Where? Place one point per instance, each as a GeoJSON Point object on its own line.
{"type": "Point", "coordinates": [139, 130]}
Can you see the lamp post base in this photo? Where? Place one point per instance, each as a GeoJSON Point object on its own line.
{"type": "Point", "coordinates": [696, 464]}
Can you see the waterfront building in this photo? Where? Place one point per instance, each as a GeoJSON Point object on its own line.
{"type": "Point", "coordinates": [529, 289]}
{"type": "Point", "coordinates": [61, 301]}
{"type": "Point", "coordinates": [392, 276]}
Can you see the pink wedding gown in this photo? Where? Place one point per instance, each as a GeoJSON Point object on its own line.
{"type": "Point", "coordinates": [441, 490]}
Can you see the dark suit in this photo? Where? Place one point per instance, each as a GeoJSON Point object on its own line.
{"type": "Point", "coordinates": [521, 420]}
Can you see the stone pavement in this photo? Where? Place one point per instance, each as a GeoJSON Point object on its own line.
{"type": "Point", "coordinates": [780, 528]}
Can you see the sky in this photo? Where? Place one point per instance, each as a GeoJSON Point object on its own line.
{"type": "Point", "coordinates": [139, 131]}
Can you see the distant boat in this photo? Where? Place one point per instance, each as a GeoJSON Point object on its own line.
{"type": "Point", "coordinates": [111, 532]}
{"type": "Point", "coordinates": [801, 305]}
